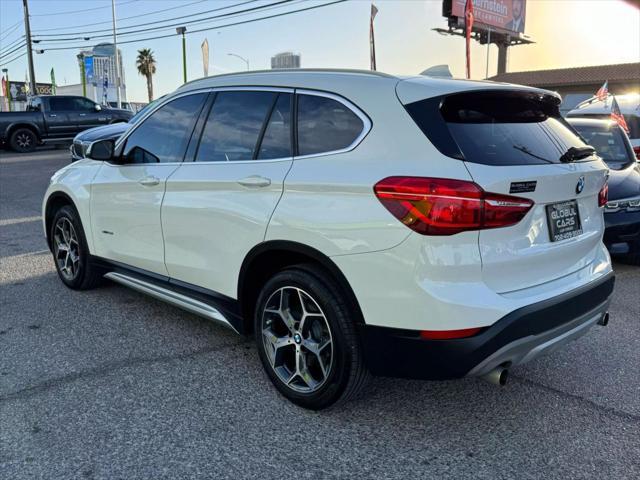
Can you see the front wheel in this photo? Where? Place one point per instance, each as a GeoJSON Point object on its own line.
{"type": "Point", "coordinates": [70, 251]}
{"type": "Point", "coordinates": [306, 338]}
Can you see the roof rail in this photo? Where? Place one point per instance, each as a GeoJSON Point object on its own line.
{"type": "Point", "coordinates": [291, 70]}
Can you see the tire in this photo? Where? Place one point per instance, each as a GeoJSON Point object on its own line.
{"type": "Point", "coordinates": [632, 259]}
{"type": "Point", "coordinates": [23, 140]}
{"type": "Point", "coordinates": [324, 343]}
{"type": "Point", "coordinates": [70, 252]}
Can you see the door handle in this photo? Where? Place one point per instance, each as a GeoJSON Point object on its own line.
{"type": "Point", "coordinates": [83, 114]}
{"type": "Point", "coordinates": [149, 181]}
{"type": "Point", "coordinates": [255, 181]}
{"type": "Point", "coordinates": [52, 115]}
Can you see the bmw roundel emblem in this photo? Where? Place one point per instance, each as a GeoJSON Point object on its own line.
{"type": "Point", "coordinates": [580, 185]}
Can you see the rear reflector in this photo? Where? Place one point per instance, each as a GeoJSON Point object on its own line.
{"type": "Point", "coordinates": [440, 206]}
{"type": "Point", "coordinates": [637, 152]}
{"type": "Point", "coordinates": [603, 195]}
{"type": "Point", "coordinates": [448, 334]}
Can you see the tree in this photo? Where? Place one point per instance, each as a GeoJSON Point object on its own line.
{"type": "Point", "coordinates": [147, 67]}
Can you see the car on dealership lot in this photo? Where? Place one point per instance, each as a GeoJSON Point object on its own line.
{"type": "Point", "coordinates": [622, 211]}
{"type": "Point", "coordinates": [112, 131]}
{"type": "Point", "coordinates": [358, 223]}
{"type": "Point", "coordinates": [601, 109]}
{"type": "Point", "coordinates": [54, 118]}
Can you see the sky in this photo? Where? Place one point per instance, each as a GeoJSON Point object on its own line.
{"type": "Point", "coordinates": [567, 33]}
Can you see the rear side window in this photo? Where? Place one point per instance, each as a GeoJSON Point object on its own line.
{"type": "Point", "coordinates": [496, 128]}
{"type": "Point", "coordinates": [276, 142]}
{"type": "Point", "coordinates": [61, 103]}
{"type": "Point", "coordinates": [163, 136]}
{"type": "Point", "coordinates": [325, 125]}
{"type": "Point", "coordinates": [234, 126]}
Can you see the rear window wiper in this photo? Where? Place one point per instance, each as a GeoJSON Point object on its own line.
{"type": "Point", "coordinates": [524, 149]}
{"type": "Point", "coordinates": [577, 153]}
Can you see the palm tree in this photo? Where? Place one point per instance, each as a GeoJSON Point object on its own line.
{"type": "Point", "coordinates": [146, 66]}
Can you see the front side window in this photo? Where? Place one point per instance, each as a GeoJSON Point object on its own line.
{"type": "Point", "coordinates": [163, 136]}
{"type": "Point", "coordinates": [325, 125]}
{"type": "Point", "coordinates": [234, 126]}
{"type": "Point", "coordinates": [82, 105]}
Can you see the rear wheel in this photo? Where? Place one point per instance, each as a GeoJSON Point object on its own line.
{"type": "Point", "coordinates": [306, 338]}
{"type": "Point", "coordinates": [70, 251]}
{"type": "Point", "coordinates": [23, 140]}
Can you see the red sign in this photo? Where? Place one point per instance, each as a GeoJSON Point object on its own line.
{"type": "Point", "coordinates": [507, 15]}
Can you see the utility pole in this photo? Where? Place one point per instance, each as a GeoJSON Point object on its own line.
{"type": "Point", "coordinates": [27, 31]}
{"type": "Point", "coordinates": [182, 30]}
{"type": "Point", "coordinates": [486, 71]}
{"type": "Point", "coordinates": [115, 52]}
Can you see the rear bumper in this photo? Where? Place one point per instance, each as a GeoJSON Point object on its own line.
{"type": "Point", "coordinates": [622, 232]}
{"type": "Point", "coordinates": [517, 338]}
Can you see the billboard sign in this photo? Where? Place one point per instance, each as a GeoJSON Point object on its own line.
{"type": "Point", "coordinates": [506, 15]}
{"type": "Point", "coordinates": [19, 90]}
{"type": "Point", "coordinates": [88, 69]}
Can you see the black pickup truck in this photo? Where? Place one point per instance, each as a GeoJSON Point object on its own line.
{"type": "Point", "coordinates": [54, 118]}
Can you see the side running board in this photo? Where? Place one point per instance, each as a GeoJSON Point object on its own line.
{"type": "Point", "coordinates": [181, 301]}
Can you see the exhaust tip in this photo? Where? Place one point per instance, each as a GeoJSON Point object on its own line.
{"type": "Point", "coordinates": [604, 321]}
{"type": "Point", "coordinates": [497, 376]}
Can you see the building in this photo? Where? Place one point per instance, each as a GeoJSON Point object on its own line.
{"type": "Point", "coordinates": [100, 68]}
{"type": "Point", "coordinates": [285, 60]}
{"type": "Point", "coordinates": [580, 83]}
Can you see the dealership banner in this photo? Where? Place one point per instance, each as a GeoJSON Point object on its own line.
{"type": "Point", "coordinates": [19, 90]}
{"type": "Point", "coordinates": [506, 15]}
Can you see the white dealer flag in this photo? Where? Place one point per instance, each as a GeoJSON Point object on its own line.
{"type": "Point", "coordinates": [205, 57]}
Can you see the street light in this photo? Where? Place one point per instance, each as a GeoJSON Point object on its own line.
{"type": "Point", "coordinates": [240, 57]}
{"type": "Point", "coordinates": [181, 31]}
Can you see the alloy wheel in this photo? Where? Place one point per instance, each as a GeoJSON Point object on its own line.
{"type": "Point", "coordinates": [23, 140]}
{"type": "Point", "coordinates": [66, 248]}
{"type": "Point", "coordinates": [297, 339]}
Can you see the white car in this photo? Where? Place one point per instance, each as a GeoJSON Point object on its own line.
{"type": "Point", "coordinates": [356, 222]}
{"type": "Point", "coordinates": [599, 109]}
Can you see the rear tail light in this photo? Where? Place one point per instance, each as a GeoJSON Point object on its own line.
{"type": "Point", "coordinates": [440, 206]}
{"type": "Point", "coordinates": [636, 150]}
{"type": "Point", "coordinates": [603, 195]}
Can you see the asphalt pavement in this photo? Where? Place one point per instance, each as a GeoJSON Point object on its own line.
{"type": "Point", "coordinates": [111, 384]}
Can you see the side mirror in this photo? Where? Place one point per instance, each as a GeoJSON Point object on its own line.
{"type": "Point", "coordinates": [101, 150]}
{"type": "Point", "coordinates": [97, 107]}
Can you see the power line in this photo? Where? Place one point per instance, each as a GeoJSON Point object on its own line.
{"type": "Point", "coordinates": [222, 15]}
{"type": "Point", "coordinates": [125, 18]}
{"type": "Point", "coordinates": [7, 62]}
{"type": "Point", "coordinates": [10, 29]}
{"type": "Point", "coordinates": [14, 50]}
{"type": "Point", "coordinates": [12, 44]}
{"type": "Point", "coordinates": [218, 27]}
{"type": "Point", "coordinates": [79, 11]}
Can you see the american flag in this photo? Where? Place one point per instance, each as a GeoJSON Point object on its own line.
{"type": "Point", "coordinates": [603, 91]}
{"type": "Point", "coordinates": [616, 115]}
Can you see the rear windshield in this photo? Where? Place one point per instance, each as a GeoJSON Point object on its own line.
{"type": "Point", "coordinates": [633, 121]}
{"type": "Point", "coordinates": [610, 143]}
{"type": "Point", "coordinates": [496, 127]}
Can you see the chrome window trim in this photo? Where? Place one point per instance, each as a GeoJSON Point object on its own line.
{"type": "Point", "coordinates": [366, 122]}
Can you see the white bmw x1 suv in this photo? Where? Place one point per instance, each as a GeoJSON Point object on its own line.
{"type": "Point", "coordinates": [355, 222]}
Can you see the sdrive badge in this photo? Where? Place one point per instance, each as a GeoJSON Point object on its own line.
{"type": "Point", "coordinates": [521, 187]}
